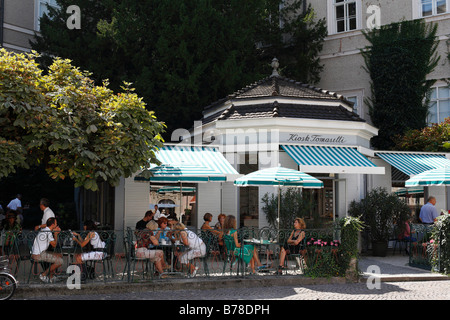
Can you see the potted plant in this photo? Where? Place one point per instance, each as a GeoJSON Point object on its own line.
{"type": "Point", "coordinates": [379, 211]}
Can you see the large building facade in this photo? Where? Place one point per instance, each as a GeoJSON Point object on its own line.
{"type": "Point", "coordinates": [19, 21]}
{"type": "Point", "coordinates": [341, 55]}
{"type": "Point", "coordinates": [277, 121]}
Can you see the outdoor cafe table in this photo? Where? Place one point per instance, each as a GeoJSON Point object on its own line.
{"type": "Point", "coordinates": [172, 247]}
{"type": "Point", "coordinates": [263, 243]}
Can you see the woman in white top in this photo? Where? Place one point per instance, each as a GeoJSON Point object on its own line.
{"type": "Point", "coordinates": [97, 245]}
{"type": "Point", "coordinates": [196, 246]}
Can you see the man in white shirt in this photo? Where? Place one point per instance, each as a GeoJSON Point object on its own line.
{"type": "Point", "coordinates": [48, 213]}
{"type": "Point", "coordinates": [16, 204]}
{"type": "Point", "coordinates": [160, 214]}
{"type": "Point", "coordinates": [46, 237]}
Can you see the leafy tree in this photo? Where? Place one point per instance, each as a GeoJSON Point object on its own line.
{"type": "Point", "coordinates": [398, 59]}
{"type": "Point", "coordinates": [82, 46]}
{"type": "Point", "coordinates": [183, 55]}
{"type": "Point", "coordinates": [293, 204]}
{"type": "Point", "coordinates": [434, 138]}
{"type": "Point", "coordinates": [379, 211]}
{"type": "Point", "coordinates": [76, 129]}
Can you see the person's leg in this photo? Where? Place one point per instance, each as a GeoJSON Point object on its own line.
{"type": "Point", "coordinates": [57, 262]}
{"type": "Point", "coordinates": [282, 257]}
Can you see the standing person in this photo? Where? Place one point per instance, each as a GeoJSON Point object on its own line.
{"type": "Point", "coordinates": [428, 212]}
{"type": "Point", "coordinates": [47, 213]}
{"type": "Point", "coordinates": [141, 224]}
{"type": "Point", "coordinates": [294, 243]}
{"type": "Point", "coordinates": [46, 237]}
{"type": "Point", "coordinates": [156, 213]}
{"type": "Point", "coordinates": [159, 215]}
{"type": "Point", "coordinates": [196, 247]}
{"type": "Point", "coordinates": [16, 204]}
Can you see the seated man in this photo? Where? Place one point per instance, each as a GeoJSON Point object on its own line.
{"type": "Point", "coordinates": [142, 224]}
{"type": "Point", "coordinates": [46, 237]}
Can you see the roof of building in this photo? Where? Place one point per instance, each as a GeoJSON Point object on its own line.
{"type": "Point", "coordinates": [293, 99]}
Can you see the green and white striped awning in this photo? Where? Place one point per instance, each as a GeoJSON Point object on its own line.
{"type": "Point", "coordinates": [414, 163]}
{"type": "Point", "coordinates": [188, 173]}
{"type": "Point", "coordinates": [205, 156]}
{"type": "Point", "coordinates": [331, 159]}
{"type": "Point", "coordinates": [402, 192]}
{"type": "Point", "coordinates": [191, 164]}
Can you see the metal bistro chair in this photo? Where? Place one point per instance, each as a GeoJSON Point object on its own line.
{"type": "Point", "coordinates": [212, 249]}
{"type": "Point", "coordinates": [35, 265]}
{"type": "Point", "coordinates": [298, 258]}
{"type": "Point", "coordinates": [236, 255]}
{"type": "Point", "coordinates": [400, 242]}
{"type": "Point", "coordinates": [109, 237]}
{"type": "Point", "coordinates": [131, 259]}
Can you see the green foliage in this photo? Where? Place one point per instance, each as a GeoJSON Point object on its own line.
{"type": "Point", "coordinates": [433, 138]}
{"type": "Point", "coordinates": [74, 128]}
{"type": "Point", "coordinates": [379, 210]}
{"type": "Point", "coordinates": [331, 258]}
{"type": "Point", "coordinates": [183, 55]}
{"type": "Point", "coordinates": [323, 262]}
{"type": "Point", "coordinates": [292, 205]}
{"type": "Point", "coordinates": [398, 59]}
{"type": "Point", "coordinates": [439, 246]}
{"type": "Point", "coordinates": [350, 228]}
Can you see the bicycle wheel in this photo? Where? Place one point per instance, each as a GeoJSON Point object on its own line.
{"type": "Point", "coordinates": [7, 286]}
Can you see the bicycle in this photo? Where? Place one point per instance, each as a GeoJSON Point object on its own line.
{"type": "Point", "coordinates": [8, 283]}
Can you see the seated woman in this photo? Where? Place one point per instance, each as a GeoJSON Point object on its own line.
{"type": "Point", "coordinates": [147, 240]}
{"type": "Point", "coordinates": [219, 227]}
{"type": "Point", "coordinates": [294, 243]}
{"type": "Point", "coordinates": [163, 230]}
{"type": "Point", "coordinates": [12, 229]}
{"type": "Point", "coordinates": [196, 247]}
{"type": "Point", "coordinates": [97, 246]}
{"type": "Point", "coordinates": [230, 229]}
{"type": "Point", "coordinates": [216, 234]}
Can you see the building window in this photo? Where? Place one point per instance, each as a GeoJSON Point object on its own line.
{"type": "Point", "coordinates": [354, 99]}
{"type": "Point", "coordinates": [439, 108]}
{"type": "Point", "coordinates": [345, 15]}
{"type": "Point", "coordinates": [41, 8]}
{"type": "Point", "coordinates": [433, 7]}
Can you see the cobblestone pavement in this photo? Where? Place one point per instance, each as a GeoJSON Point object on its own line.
{"type": "Point", "coordinates": [413, 290]}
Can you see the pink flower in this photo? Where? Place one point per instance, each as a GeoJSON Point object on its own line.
{"type": "Point", "coordinates": [432, 241]}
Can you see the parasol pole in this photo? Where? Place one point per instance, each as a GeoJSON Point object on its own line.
{"type": "Point", "coordinates": [279, 197]}
{"type": "Point", "coordinates": [181, 198]}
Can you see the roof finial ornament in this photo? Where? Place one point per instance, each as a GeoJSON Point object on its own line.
{"type": "Point", "coordinates": [275, 64]}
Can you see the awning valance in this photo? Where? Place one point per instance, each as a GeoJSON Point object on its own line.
{"type": "Point", "coordinates": [331, 159]}
{"type": "Point", "coordinates": [414, 163]}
